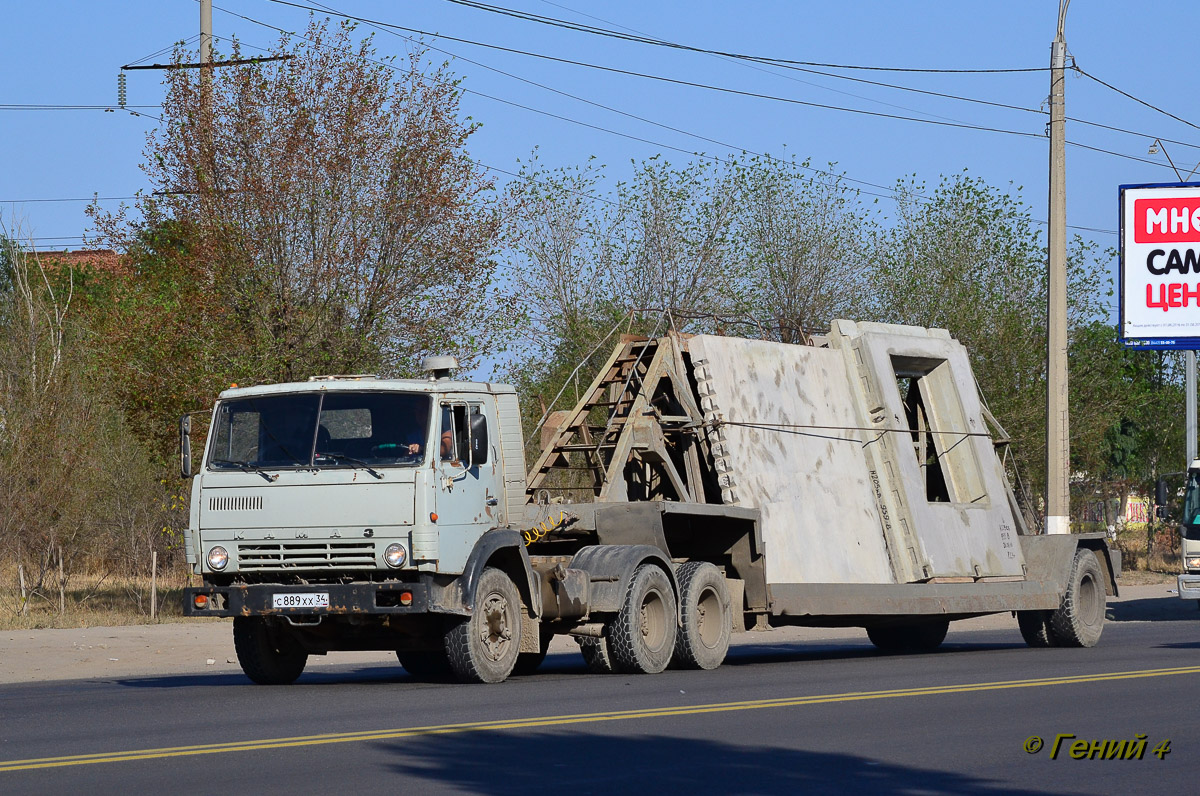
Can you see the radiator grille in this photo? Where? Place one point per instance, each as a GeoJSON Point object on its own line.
{"type": "Point", "coordinates": [261, 556]}
{"type": "Point", "coordinates": [236, 503]}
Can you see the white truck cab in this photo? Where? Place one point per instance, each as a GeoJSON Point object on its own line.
{"type": "Point", "coordinates": [1189, 531]}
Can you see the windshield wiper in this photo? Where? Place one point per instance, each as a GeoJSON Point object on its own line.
{"type": "Point", "coordinates": [246, 467]}
{"type": "Point", "coordinates": [338, 457]}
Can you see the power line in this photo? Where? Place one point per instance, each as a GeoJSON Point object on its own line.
{"type": "Point", "coordinates": [1135, 99]}
{"type": "Point", "coordinates": [662, 78]}
{"type": "Point", "coordinates": [926, 92]}
{"type": "Point", "coordinates": [88, 199]}
{"type": "Point", "coordinates": [167, 49]}
{"type": "Point", "coordinates": [561, 23]}
{"type": "Point", "coordinates": [106, 108]}
{"type": "Point", "coordinates": [722, 89]}
{"type": "Point", "coordinates": [386, 27]}
{"type": "Point", "coordinates": [50, 107]}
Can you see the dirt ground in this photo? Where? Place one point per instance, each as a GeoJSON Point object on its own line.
{"type": "Point", "coordinates": [207, 645]}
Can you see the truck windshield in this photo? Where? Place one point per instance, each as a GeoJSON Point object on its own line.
{"type": "Point", "coordinates": [1191, 499]}
{"type": "Point", "coordinates": [333, 429]}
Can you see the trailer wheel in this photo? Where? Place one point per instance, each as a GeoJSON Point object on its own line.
{"type": "Point", "coordinates": [706, 618]}
{"type": "Point", "coordinates": [595, 655]}
{"type": "Point", "coordinates": [266, 656]}
{"type": "Point", "coordinates": [425, 664]}
{"type": "Point", "coordinates": [888, 638]}
{"type": "Point", "coordinates": [528, 662]}
{"type": "Point", "coordinates": [641, 639]}
{"type": "Point", "coordinates": [924, 636]}
{"type": "Point", "coordinates": [1035, 628]}
{"type": "Point", "coordinates": [1079, 621]}
{"type": "Point", "coordinates": [484, 648]}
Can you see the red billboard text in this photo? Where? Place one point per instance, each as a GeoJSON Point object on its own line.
{"type": "Point", "coordinates": [1166, 220]}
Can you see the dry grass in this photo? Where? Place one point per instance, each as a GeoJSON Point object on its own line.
{"type": "Point", "coordinates": [91, 601]}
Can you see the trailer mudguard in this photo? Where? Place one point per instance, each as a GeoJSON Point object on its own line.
{"type": "Point", "coordinates": [610, 568]}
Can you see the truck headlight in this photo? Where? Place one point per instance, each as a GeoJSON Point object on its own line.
{"type": "Point", "coordinates": [1192, 563]}
{"type": "Point", "coordinates": [395, 555]}
{"type": "Point", "coordinates": [218, 558]}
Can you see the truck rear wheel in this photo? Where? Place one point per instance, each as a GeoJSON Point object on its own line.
{"type": "Point", "coordinates": [641, 639]}
{"type": "Point", "coordinates": [705, 614]}
{"type": "Point", "coordinates": [595, 655]}
{"type": "Point", "coordinates": [484, 648]}
{"type": "Point", "coordinates": [1079, 621]}
{"type": "Point", "coordinates": [267, 656]}
{"type": "Point", "coordinates": [1035, 628]}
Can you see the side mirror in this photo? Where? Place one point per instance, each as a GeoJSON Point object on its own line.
{"type": "Point", "coordinates": [185, 446]}
{"type": "Point", "coordinates": [1160, 492]}
{"type": "Point", "coordinates": [479, 439]}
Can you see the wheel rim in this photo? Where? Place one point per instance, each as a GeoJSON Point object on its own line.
{"type": "Point", "coordinates": [1089, 606]}
{"type": "Point", "coordinates": [496, 628]}
{"type": "Point", "coordinates": [652, 619]}
{"type": "Point", "coordinates": [708, 618]}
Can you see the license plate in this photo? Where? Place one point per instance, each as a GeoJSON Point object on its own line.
{"type": "Point", "coordinates": [301, 600]}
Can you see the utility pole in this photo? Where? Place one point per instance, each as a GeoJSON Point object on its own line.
{"type": "Point", "coordinates": [1190, 396]}
{"type": "Point", "coordinates": [1058, 440]}
{"type": "Point", "coordinates": [206, 147]}
{"type": "Point", "coordinates": [205, 42]}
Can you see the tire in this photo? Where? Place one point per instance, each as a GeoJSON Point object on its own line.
{"type": "Point", "coordinates": [705, 617]}
{"type": "Point", "coordinates": [887, 638]}
{"type": "Point", "coordinates": [425, 664]}
{"type": "Point", "coordinates": [1036, 630]}
{"type": "Point", "coordinates": [641, 639]}
{"type": "Point", "coordinates": [928, 636]}
{"type": "Point", "coordinates": [528, 662]}
{"type": "Point", "coordinates": [1079, 621]}
{"type": "Point", "coordinates": [924, 636]}
{"type": "Point", "coordinates": [484, 648]}
{"type": "Point", "coordinates": [595, 655]}
{"type": "Point", "coordinates": [267, 656]}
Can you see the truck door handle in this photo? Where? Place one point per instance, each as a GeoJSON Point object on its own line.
{"type": "Point", "coordinates": [492, 501]}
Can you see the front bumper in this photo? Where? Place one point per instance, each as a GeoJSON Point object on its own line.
{"type": "Point", "coordinates": [1189, 587]}
{"type": "Point", "coordinates": [344, 599]}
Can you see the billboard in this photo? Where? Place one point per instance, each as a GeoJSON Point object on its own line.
{"type": "Point", "coordinates": [1159, 281]}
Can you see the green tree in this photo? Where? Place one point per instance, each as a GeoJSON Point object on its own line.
{"type": "Point", "coordinates": [328, 208]}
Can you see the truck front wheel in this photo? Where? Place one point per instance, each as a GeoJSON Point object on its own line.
{"type": "Point", "coordinates": [641, 639]}
{"type": "Point", "coordinates": [266, 655]}
{"type": "Point", "coordinates": [484, 648]}
{"type": "Point", "coordinates": [1079, 621]}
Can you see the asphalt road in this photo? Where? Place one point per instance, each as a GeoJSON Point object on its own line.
{"type": "Point", "coordinates": [827, 717]}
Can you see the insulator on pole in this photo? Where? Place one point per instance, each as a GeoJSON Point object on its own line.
{"type": "Point", "coordinates": [121, 89]}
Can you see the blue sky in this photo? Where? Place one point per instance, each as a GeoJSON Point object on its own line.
{"type": "Point", "coordinates": [69, 52]}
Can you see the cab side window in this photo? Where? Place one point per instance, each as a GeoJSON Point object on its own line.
{"type": "Point", "coordinates": [463, 436]}
{"type": "Point", "coordinates": [452, 441]}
